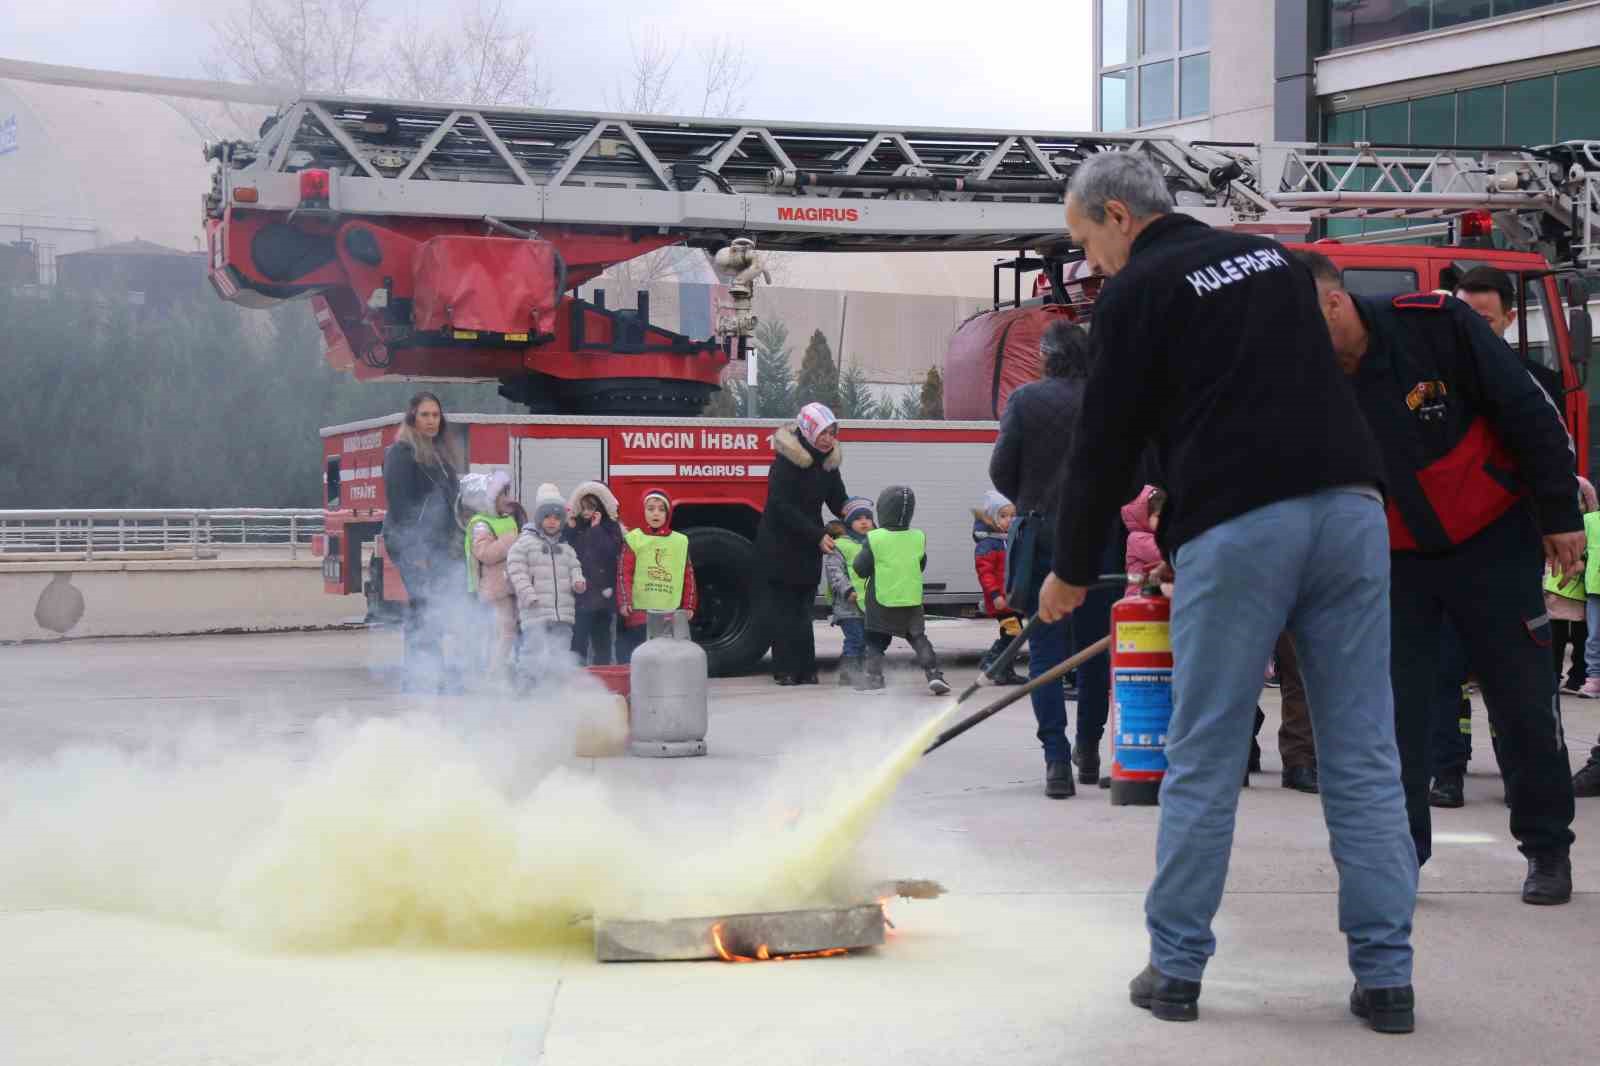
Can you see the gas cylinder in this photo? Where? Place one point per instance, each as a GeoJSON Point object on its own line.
{"type": "Point", "coordinates": [1141, 696]}
{"type": "Point", "coordinates": [668, 682]}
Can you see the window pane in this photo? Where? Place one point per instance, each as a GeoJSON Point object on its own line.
{"type": "Point", "coordinates": [1482, 118]}
{"type": "Point", "coordinates": [1455, 12]}
{"type": "Point", "coordinates": [1196, 30]}
{"type": "Point", "coordinates": [1160, 26]}
{"type": "Point", "coordinates": [1116, 22]}
{"type": "Point", "coordinates": [1387, 124]}
{"type": "Point", "coordinates": [1360, 22]}
{"type": "Point", "coordinates": [1194, 85]}
{"type": "Point", "coordinates": [1155, 93]}
{"type": "Point", "coordinates": [1529, 109]}
{"type": "Point", "coordinates": [1508, 7]}
{"type": "Point", "coordinates": [1114, 101]}
{"type": "Point", "coordinates": [1344, 127]}
{"type": "Point", "coordinates": [1378, 283]}
{"type": "Point", "coordinates": [1578, 105]}
{"type": "Point", "coordinates": [1433, 120]}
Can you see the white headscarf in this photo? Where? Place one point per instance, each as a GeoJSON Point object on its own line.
{"type": "Point", "coordinates": [813, 419]}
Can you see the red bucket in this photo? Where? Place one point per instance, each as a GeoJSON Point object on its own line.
{"type": "Point", "coordinates": [614, 678]}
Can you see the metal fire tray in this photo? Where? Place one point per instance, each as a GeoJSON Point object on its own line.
{"type": "Point", "coordinates": [741, 935]}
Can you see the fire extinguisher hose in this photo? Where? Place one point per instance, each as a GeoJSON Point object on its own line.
{"type": "Point", "coordinates": [1003, 663]}
{"type": "Point", "coordinates": [1055, 673]}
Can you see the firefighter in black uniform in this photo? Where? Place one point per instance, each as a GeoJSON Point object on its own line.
{"type": "Point", "coordinates": [1480, 468]}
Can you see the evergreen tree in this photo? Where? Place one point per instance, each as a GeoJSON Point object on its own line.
{"type": "Point", "coordinates": [775, 386]}
{"type": "Point", "coordinates": [886, 408]}
{"type": "Point", "coordinates": [855, 399]}
{"type": "Point", "coordinates": [931, 401]}
{"type": "Point", "coordinates": [909, 408]}
{"type": "Point", "coordinates": [819, 377]}
{"type": "Point", "coordinates": [200, 404]}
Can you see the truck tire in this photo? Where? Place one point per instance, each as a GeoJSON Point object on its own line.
{"type": "Point", "coordinates": [727, 622]}
{"type": "Point", "coordinates": [379, 610]}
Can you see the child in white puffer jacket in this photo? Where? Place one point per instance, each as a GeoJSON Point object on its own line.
{"type": "Point", "coordinates": [546, 578]}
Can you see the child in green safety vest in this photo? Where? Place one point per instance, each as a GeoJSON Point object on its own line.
{"type": "Point", "coordinates": [1586, 782]}
{"type": "Point", "coordinates": [492, 529]}
{"type": "Point", "coordinates": [653, 573]}
{"type": "Point", "coordinates": [846, 590]}
{"type": "Point", "coordinates": [1590, 585]}
{"type": "Point", "coordinates": [1567, 602]}
{"type": "Point", "coordinates": [893, 560]}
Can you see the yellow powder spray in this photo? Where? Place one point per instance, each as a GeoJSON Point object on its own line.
{"type": "Point", "coordinates": [412, 831]}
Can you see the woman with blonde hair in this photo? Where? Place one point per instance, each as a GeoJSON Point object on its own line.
{"type": "Point", "coordinates": [421, 480]}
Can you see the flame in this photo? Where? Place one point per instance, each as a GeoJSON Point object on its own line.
{"type": "Point", "coordinates": [764, 953]}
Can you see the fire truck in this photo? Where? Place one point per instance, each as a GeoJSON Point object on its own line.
{"type": "Point", "coordinates": [716, 473]}
{"type": "Point", "coordinates": [441, 242]}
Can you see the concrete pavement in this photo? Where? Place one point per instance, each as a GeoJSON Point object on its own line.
{"type": "Point", "coordinates": [1025, 961]}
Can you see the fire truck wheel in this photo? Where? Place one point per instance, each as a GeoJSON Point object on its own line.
{"type": "Point", "coordinates": [725, 622]}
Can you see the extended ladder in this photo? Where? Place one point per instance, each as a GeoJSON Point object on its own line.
{"type": "Point", "coordinates": [811, 186]}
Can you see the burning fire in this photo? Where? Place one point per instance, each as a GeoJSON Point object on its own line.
{"type": "Point", "coordinates": [763, 953]}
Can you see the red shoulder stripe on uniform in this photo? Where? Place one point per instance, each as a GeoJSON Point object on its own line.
{"type": "Point", "coordinates": [1420, 301]}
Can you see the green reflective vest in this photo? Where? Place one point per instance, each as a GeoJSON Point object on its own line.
{"type": "Point", "coordinates": [849, 549]}
{"type": "Point", "coordinates": [658, 566]}
{"type": "Point", "coordinates": [1591, 574]}
{"type": "Point", "coordinates": [499, 525]}
{"type": "Point", "coordinates": [897, 566]}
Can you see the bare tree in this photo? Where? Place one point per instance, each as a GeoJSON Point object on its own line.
{"type": "Point", "coordinates": [648, 87]}
{"type": "Point", "coordinates": [316, 45]}
{"type": "Point", "coordinates": [482, 56]}
{"type": "Point", "coordinates": [724, 77]}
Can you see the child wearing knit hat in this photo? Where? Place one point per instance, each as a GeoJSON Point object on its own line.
{"type": "Point", "coordinates": [546, 577]}
{"type": "Point", "coordinates": [653, 573]}
{"type": "Point", "coordinates": [991, 523]}
{"type": "Point", "coordinates": [847, 590]}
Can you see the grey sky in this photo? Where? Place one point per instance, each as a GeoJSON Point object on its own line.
{"type": "Point", "coordinates": [903, 62]}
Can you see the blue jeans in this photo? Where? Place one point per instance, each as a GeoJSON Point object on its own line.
{"type": "Point", "coordinates": [1591, 649]}
{"type": "Point", "coordinates": [855, 637]}
{"type": "Point", "coordinates": [1051, 645]}
{"type": "Point", "coordinates": [1317, 566]}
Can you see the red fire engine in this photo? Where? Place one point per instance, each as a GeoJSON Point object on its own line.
{"type": "Point", "coordinates": [441, 242]}
{"type": "Point", "coordinates": [714, 469]}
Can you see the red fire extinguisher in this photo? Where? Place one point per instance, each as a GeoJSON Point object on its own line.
{"type": "Point", "coordinates": [1141, 696]}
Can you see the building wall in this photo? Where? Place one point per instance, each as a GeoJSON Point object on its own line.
{"type": "Point", "coordinates": [88, 167]}
{"type": "Point", "coordinates": [1239, 84]}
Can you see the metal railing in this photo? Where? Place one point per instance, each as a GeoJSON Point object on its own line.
{"type": "Point", "coordinates": [196, 532]}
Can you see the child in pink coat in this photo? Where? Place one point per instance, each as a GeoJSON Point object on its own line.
{"type": "Point", "coordinates": [487, 498]}
{"type": "Point", "coordinates": [1142, 516]}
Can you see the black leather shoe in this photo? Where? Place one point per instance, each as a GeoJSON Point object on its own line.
{"type": "Point", "coordinates": [1385, 1010]}
{"type": "Point", "coordinates": [1586, 782]}
{"type": "Point", "coordinates": [1171, 999]}
{"type": "Point", "coordinates": [806, 679]}
{"type": "Point", "coordinates": [1087, 760]}
{"type": "Point", "coordinates": [1449, 790]}
{"type": "Point", "coordinates": [1058, 780]}
{"type": "Point", "coordinates": [1301, 778]}
{"type": "Point", "coordinates": [785, 680]}
{"type": "Point", "coordinates": [1549, 880]}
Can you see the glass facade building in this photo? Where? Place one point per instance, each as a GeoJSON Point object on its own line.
{"type": "Point", "coordinates": [1153, 62]}
{"type": "Point", "coordinates": [1561, 106]}
{"type": "Point", "coordinates": [1357, 22]}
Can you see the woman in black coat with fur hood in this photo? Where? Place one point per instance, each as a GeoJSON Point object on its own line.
{"type": "Point", "coordinates": [792, 539]}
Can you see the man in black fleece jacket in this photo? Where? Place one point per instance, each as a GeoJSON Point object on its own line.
{"type": "Point", "coordinates": [1211, 345]}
